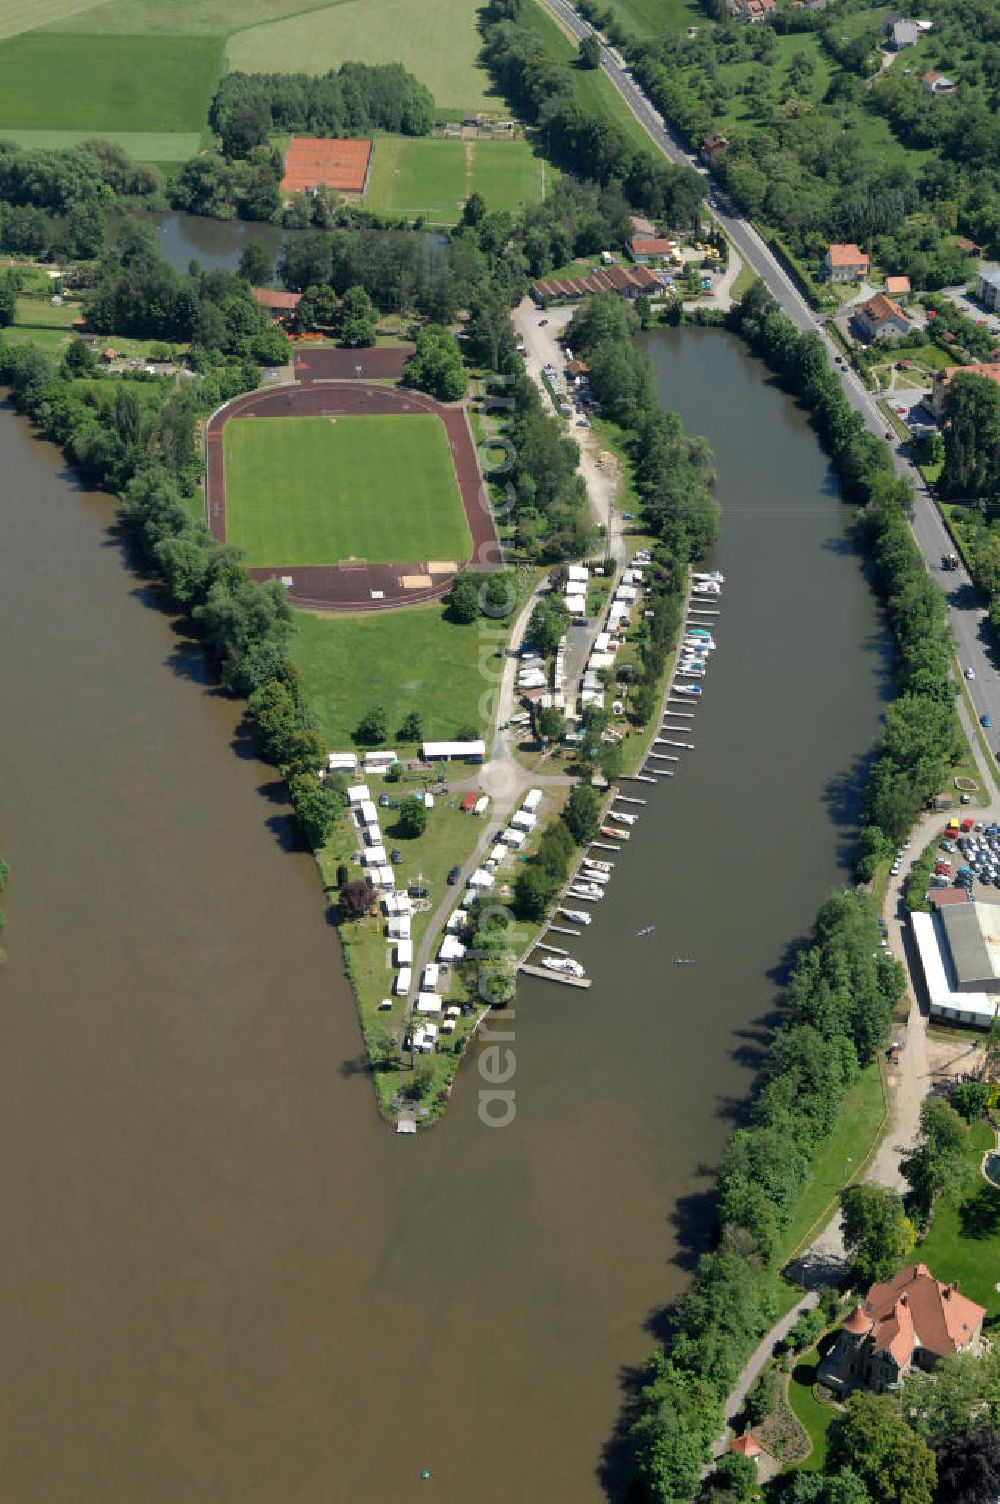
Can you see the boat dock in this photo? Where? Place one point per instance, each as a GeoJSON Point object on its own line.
{"type": "Point", "coordinates": [543, 973]}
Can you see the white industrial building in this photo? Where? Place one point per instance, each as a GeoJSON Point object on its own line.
{"type": "Point", "coordinates": [446, 751]}
{"type": "Point", "coordinates": [959, 951]}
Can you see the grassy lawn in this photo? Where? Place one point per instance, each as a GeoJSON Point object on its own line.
{"type": "Point", "coordinates": [418, 175]}
{"type": "Point", "coordinates": [745, 278]}
{"type": "Point", "coordinates": [411, 659]}
{"type": "Point", "coordinates": [652, 19]}
{"type": "Point", "coordinates": [838, 1160]}
{"type": "Point", "coordinates": [39, 323]}
{"type": "Point", "coordinates": [508, 174]}
{"type": "Point", "coordinates": [315, 491]}
{"type": "Point", "coordinates": [144, 146]}
{"type": "Point", "coordinates": [439, 44]}
{"type": "Point", "coordinates": [815, 1417]}
{"type": "Point", "coordinates": [592, 89]}
{"type": "Point", "coordinates": [964, 1242]}
{"type": "Point", "coordinates": [735, 75]}
{"type": "Point", "coordinates": [59, 81]}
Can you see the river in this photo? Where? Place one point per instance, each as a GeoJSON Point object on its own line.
{"type": "Point", "coordinates": [223, 1279]}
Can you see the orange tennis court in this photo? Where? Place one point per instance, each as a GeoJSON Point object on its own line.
{"type": "Point", "coordinates": [340, 165]}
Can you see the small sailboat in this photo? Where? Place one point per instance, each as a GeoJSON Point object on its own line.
{"type": "Point", "coordinates": [647, 930]}
{"type": "Point", "coordinates": [683, 960]}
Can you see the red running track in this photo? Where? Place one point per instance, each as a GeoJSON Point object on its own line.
{"type": "Point", "coordinates": [355, 585]}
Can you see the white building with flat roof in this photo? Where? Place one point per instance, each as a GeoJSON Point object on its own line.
{"type": "Point", "coordinates": [952, 956]}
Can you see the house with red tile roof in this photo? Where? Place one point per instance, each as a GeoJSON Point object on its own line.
{"type": "Point", "coordinates": [911, 1320]}
{"type": "Point", "coordinates": [643, 248]}
{"type": "Point", "coordinates": [881, 317]}
{"type": "Point", "coordinates": [989, 370]}
{"type": "Point", "coordinates": [278, 304]}
{"type": "Point", "coordinates": [844, 263]}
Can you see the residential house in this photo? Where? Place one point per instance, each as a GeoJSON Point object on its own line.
{"type": "Point", "coordinates": [897, 287]}
{"type": "Point", "coordinates": [881, 318]}
{"type": "Point", "coordinates": [936, 83]}
{"type": "Point", "coordinates": [910, 1321]}
{"type": "Point", "coordinates": [844, 263]}
{"type": "Point", "coordinates": [643, 228]}
{"type": "Point", "coordinates": [755, 11]}
{"type": "Point", "coordinates": [279, 305]}
{"type": "Point", "coordinates": [712, 145]}
{"type": "Point", "coordinates": [648, 248]}
{"type": "Point", "coordinates": [902, 34]}
{"type": "Point", "coordinates": [989, 370]}
{"type": "Point", "coordinates": [988, 289]}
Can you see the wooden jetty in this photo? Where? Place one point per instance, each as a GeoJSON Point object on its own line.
{"type": "Point", "coordinates": [559, 929]}
{"type": "Point", "coordinates": [628, 799]}
{"type": "Point", "coordinates": [605, 846]}
{"type": "Point", "coordinates": [640, 778]}
{"type": "Point", "coordinates": [545, 975]}
{"type": "Point", "coordinates": [666, 742]}
{"type": "Point", "coordinates": [557, 950]}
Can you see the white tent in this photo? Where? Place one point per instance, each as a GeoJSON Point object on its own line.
{"type": "Point", "coordinates": [374, 856]}
{"type": "Point", "coordinates": [456, 920]}
{"type": "Point", "coordinates": [385, 877]}
{"type": "Point", "coordinates": [481, 879]}
{"type": "Point", "coordinates": [428, 1002]}
{"type": "Point", "coordinates": [404, 952]}
{"type": "Point", "coordinates": [514, 838]}
{"type": "Point", "coordinates": [498, 853]}
{"type": "Point", "coordinates": [578, 572]}
{"type": "Point", "coordinates": [602, 642]}
{"type": "Point", "coordinates": [524, 820]}
{"type": "Point", "coordinates": [532, 800]}
{"type": "Point", "coordinates": [358, 794]}
{"type": "Point", "coordinates": [402, 982]}
{"type": "Point", "coordinates": [482, 804]}
{"type": "Point", "coordinates": [451, 949]}
{"type": "Point", "coordinates": [381, 759]}
{"type": "Point", "coordinates": [369, 814]}
{"type": "Point", "coordinates": [626, 593]}
{"type": "Point", "coordinates": [430, 978]}
{"type": "Point", "coordinates": [399, 929]}
{"type": "Point", "coordinates": [434, 751]}
{"type": "Point", "coordinates": [342, 762]}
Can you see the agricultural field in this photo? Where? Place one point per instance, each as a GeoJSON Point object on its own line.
{"type": "Point", "coordinates": [20, 15]}
{"type": "Point", "coordinates": [439, 45]}
{"type": "Point", "coordinates": [316, 490]}
{"type": "Point", "coordinates": [91, 84]}
{"type": "Point", "coordinates": [420, 176]}
{"type": "Point", "coordinates": [37, 322]}
{"type": "Point", "coordinates": [166, 17]}
{"type": "Point", "coordinates": [410, 659]}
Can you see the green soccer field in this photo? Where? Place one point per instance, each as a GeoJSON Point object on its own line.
{"type": "Point", "coordinates": [433, 177]}
{"type": "Point", "coordinates": [320, 490]}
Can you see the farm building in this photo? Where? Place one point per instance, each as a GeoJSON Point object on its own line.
{"type": "Point", "coordinates": [344, 166]}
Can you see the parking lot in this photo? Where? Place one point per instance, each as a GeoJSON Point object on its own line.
{"type": "Point", "coordinates": [974, 859]}
{"type": "Point", "coordinates": [971, 308]}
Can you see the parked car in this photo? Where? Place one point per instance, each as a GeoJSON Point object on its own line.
{"type": "Point", "coordinates": [542, 323]}
{"type": "Point", "coordinates": [970, 673]}
{"type": "Point", "coordinates": [454, 875]}
{"type": "Point", "coordinates": [889, 434]}
{"type": "Point", "coordinates": [395, 856]}
{"type": "Point", "coordinates": [418, 892]}
{"type": "Point", "coordinates": [984, 720]}
{"type": "Point", "coordinates": [383, 800]}
{"type": "Point", "coordinates": [628, 516]}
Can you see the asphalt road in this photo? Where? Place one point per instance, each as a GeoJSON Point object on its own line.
{"type": "Point", "coordinates": [969, 622]}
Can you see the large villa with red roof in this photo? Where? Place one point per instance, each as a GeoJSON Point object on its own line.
{"type": "Point", "coordinates": [912, 1319]}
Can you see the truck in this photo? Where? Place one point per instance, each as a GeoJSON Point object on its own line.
{"type": "Point", "coordinates": [949, 561]}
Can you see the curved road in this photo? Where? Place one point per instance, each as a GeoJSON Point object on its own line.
{"type": "Point", "coordinates": [969, 622]}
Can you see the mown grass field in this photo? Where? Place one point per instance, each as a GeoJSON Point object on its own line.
{"type": "Point", "coordinates": [592, 89]}
{"type": "Point", "coordinates": [411, 659]}
{"type": "Point", "coordinates": [175, 17]}
{"type": "Point", "coordinates": [90, 84]}
{"type": "Point", "coordinates": [433, 177]}
{"type": "Point", "coordinates": [143, 146]}
{"type": "Point", "coordinates": [438, 43]}
{"type": "Point", "coordinates": [316, 490]}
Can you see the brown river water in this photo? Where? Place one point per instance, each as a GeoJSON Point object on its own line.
{"type": "Point", "coordinates": [221, 1279]}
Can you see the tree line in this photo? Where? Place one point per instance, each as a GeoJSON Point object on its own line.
{"type": "Point", "coordinates": [352, 100]}
{"type": "Point", "coordinates": [584, 141]}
